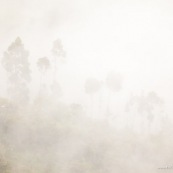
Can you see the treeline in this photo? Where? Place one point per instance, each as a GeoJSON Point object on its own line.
{"type": "Point", "coordinates": [48, 135]}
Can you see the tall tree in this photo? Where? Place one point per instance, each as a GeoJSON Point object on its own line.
{"type": "Point", "coordinates": [15, 62]}
{"type": "Point", "coordinates": [43, 65]}
{"type": "Point", "coordinates": [147, 107]}
{"type": "Point", "coordinates": [92, 86]}
{"type": "Point", "coordinates": [58, 55]}
{"type": "Point", "coordinates": [114, 84]}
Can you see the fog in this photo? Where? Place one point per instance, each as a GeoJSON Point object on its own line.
{"type": "Point", "coordinates": [86, 86]}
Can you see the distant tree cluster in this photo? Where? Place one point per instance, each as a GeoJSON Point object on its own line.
{"type": "Point", "coordinates": [47, 134]}
{"type": "Point", "coordinates": [16, 63]}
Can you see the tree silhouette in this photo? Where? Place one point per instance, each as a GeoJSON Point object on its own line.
{"type": "Point", "coordinates": [58, 55]}
{"type": "Point", "coordinates": [92, 86]}
{"type": "Point", "coordinates": [15, 62]}
{"type": "Point", "coordinates": [146, 106]}
{"type": "Point", "coordinates": [114, 84]}
{"type": "Point", "coordinates": [43, 65]}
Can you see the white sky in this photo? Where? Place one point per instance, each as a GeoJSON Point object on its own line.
{"type": "Point", "coordinates": [132, 37]}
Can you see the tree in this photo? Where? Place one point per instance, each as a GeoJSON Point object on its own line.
{"type": "Point", "coordinates": [15, 62]}
{"type": "Point", "coordinates": [147, 106]}
{"type": "Point", "coordinates": [43, 65]}
{"type": "Point", "coordinates": [92, 86]}
{"type": "Point", "coordinates": [114, 84]}
{"type": "Point", "coordinates": [58, 55]}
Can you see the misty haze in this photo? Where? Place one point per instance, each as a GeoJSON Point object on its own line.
{"type": "Point", "coordinates": [86, 86]}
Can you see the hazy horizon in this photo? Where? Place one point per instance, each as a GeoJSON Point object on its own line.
{"type": "Point", "coordinates": [113, 87]}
